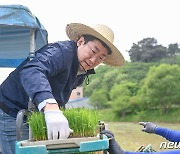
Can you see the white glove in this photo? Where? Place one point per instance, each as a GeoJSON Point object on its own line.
{"type": "Point", "coordinates": [57, 125]}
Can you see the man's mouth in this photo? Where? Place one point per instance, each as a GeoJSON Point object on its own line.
{"type": "Point", "coordinates": [87, 64]}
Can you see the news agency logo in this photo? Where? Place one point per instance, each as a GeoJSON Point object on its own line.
{"type": "Point", "coordinates": [170, 145]}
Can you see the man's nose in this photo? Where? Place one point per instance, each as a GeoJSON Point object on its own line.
{"type": "Point", "coordinates": [93, 59]}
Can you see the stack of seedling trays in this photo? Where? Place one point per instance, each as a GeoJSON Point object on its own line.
{"type": "Point", "coordinates": [84, 138]}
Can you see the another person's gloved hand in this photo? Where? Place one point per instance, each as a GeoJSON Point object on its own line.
{"type": "Point", "coordinates": [57, 125]}
{"type": "Point", "coordinates": [148, 127]}
{"type": "Point", "coordinates": [114, 147]}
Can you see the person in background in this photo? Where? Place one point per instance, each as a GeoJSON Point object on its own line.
{"type": "Point", "coordinates": [49, 78]}
{"type": "Point", "coordinates": [171, 135]}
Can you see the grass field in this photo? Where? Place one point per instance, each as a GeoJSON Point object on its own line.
{"type": "Point", "coordinates": [130, 136]}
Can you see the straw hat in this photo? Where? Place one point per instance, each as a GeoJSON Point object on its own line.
{"type": "Point", "coordinates": [102, 32]}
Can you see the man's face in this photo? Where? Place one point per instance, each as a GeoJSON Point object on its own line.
{"type": "Point", "coordinates": [91, 54]}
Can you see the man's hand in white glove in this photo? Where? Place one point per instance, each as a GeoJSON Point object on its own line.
{"type": "Point", "coordinates": [57, 124]}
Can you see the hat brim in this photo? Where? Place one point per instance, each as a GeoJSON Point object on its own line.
{"type": "Point", "coordinates": [75, 30]}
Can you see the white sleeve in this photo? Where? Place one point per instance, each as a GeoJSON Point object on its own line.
{"type": "Point", "coordinates": [43, 103]}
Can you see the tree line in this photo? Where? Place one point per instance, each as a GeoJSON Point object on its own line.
{"type": "Point", "coordinates": [151, 81]}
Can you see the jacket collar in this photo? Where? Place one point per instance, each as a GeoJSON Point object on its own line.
{"type": "Point", "coordinates": [92, 71]}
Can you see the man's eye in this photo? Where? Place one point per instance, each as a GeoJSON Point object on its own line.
{"type": "Point", "coordinates": [93, 51]}
{"type": "Point", "coordinates": [102, 58]}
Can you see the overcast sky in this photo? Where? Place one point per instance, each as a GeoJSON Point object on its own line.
{"type": "Point", "coordinates": [131, 20]}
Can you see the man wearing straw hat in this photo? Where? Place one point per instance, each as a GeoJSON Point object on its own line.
{"type": "Point", "coordinates": [49, 78]}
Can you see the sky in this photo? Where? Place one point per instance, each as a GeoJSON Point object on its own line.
{"type": "Point", "coordinates": [131, 20]}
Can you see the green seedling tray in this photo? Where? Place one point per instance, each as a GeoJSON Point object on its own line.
{"type": "Point", "coordinates": [70, 145]}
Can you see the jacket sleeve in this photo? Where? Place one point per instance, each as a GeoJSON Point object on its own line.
{"type": "Point", "coordinates": [34, 76]}
{"type": "Point", "coordinates": [171, 135]}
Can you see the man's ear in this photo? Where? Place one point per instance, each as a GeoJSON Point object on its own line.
{"type": "Point", "coordinates": [80, 41]}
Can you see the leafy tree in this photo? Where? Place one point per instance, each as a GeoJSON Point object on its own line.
{"type": "Point", "coordinates": [99, 99]}
{"type": "Point", "coordinates": [177, 60]}
{"type": "Point", "coordinates": [147, 50]}
{"type": "Point", "coordinates": [173, 50]}
{"type": "Point", "coordinates": [120, 96]}
{"type": "Point", "coordinates": [109, 78]}
{"type": "Point", "coordinates": [94, 84]}
{"type": "Point", "coordinates": [120, 78]}
{"type": "Point", "coordinates": [161, 87]}
{"type": "Point", "coordinates": [95, 81]}
{"type": "Point", "coordinates": [135, 71]}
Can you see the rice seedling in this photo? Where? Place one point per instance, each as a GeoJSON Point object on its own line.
{"type": "Point", "coordinates": [83, 122]}
{"type": "Point", "coordinates": [37, 124]}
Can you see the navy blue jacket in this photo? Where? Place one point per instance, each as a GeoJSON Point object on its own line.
{"type": "Point", "coordinates": [51, 74]}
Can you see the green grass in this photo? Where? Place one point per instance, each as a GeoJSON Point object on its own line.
{"type": "Point", "coordinates": [130, 137]}
{"type": "Point", "coordinates": [107, 115]}
{"type": "Point", "coordinates": [149, 115]}
{"type": "Point", "coordinates": [128, 132]}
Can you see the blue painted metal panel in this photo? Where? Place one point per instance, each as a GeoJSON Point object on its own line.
{"type": "Point", "coordinates": [10, 62]}
{"type": "Point", "coordinates": [15, 24]}
{"type": "Point", "coordinates": [94, 145]}
{"type": "Point", "coordinates": [41, 149]}
{"type": "Point", "coordinates": [85, 146]}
